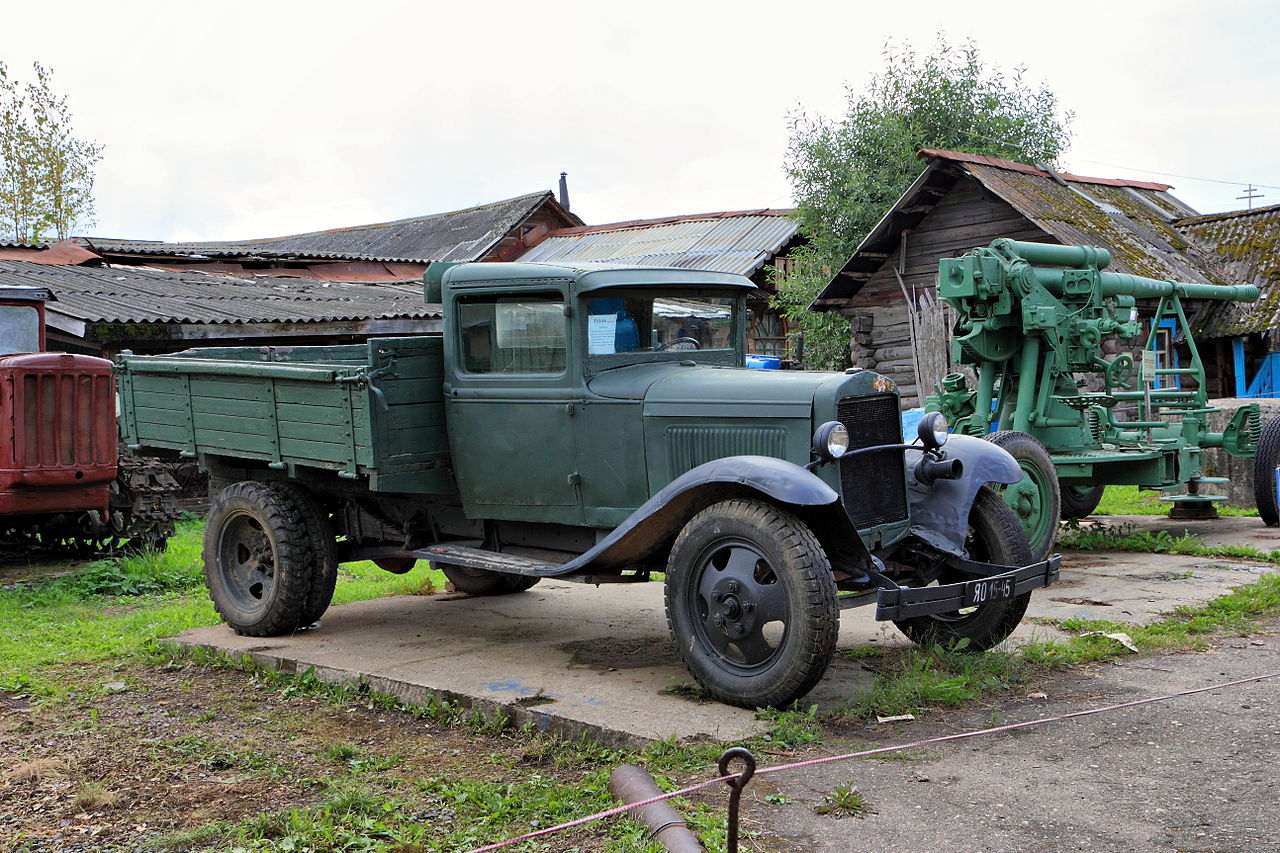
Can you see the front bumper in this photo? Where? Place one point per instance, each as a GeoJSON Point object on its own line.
{"type": "Point", "coordinates": [907, 602]}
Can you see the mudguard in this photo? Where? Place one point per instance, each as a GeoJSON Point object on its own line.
{"type": "Point", "coordinates": [940, 511]}
{"type": "Point", "coordinates": [664, 514]}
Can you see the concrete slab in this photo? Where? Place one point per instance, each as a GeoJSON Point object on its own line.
{"type": "Point", "coordinates": [576, 659]}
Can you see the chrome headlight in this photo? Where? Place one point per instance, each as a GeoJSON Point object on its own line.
{"type": "Point", "coordinates": [831, 440]}
{"type": "Point", "coordinates": [933, 430]}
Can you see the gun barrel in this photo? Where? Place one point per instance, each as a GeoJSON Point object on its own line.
{"type": "Point", "coordinates": [1057, 256]}
{"type": "Point", "coordinates": [1124, 284]}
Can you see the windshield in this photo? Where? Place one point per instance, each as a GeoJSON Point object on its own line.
{"type": "Point", "coordinates": [622, 323]}
{"type": "Point", "coordinates": [19, 329]}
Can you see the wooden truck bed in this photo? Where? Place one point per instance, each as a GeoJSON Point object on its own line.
{"type": "Point", "coordinates": [373, 410]}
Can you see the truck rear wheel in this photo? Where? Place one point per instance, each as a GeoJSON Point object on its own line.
{"type": "Point", "coordinates": [484, 582]}
{"type": "Point", "coordinates": [751, 603]}
{"type": "Point", "coordinates": [995, 536]}
{"type": "Point", "coordinates": [1264, 473]}
{"type": "Point", "coordinates": [258, 560]}
{"type": "Point", "coordinates": [1034, 499]}
{"type": "Point", "coordinates": [324, 549]}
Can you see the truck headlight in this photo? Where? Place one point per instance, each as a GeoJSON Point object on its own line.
{"type": "Point", "coordinates": [831, 440]}
{"type": "Point", "coordinates": [933, 430]}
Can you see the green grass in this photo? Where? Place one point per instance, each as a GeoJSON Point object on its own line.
{"type": "Point", "coordinates": [1124, 537]}
{"type": "Point", "coordinates": [916, 681]}
{"type": "Point", "coordinates": [1129, 500]}
{"type": "Point", "coordinates": [120, 606]}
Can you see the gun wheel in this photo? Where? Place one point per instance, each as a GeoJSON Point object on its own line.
{"type": "Point", "coordinates": [750, 601]}
{"type": "Point", "coordinates": [1034, 499]}
{"type": "Point", "coordinates": [1265, 462]}
{"type": "Point", "coordinates": [995, 536]}
{"type": "Point", "coordinates": [1080, 501]}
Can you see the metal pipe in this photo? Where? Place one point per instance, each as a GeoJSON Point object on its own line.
{"type": "Point", "coordinates": [631, 784]}
{"type": "Point", "coordinates": [1026, 385]}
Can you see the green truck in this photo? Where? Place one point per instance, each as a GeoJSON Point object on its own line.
{"type": "Point", "coordinates": [593, 424]}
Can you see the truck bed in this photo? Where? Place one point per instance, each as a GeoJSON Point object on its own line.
{"type": "Point", "coordinates": [373, 410]}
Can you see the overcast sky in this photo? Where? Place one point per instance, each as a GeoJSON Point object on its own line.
{"type": "Point", "coordinates": [251, 119]}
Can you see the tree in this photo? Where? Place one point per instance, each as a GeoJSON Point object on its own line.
{"type": "Point", "coordinates": [46, 172]}
{"type": "Point", "coordinates": [845, 173]}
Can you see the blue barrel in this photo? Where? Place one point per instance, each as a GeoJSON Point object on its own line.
{"type": "Point", "coordinates": [764, 362]}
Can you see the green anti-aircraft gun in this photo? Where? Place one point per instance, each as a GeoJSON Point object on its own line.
{"type": "Point", "coordinates": [1030, 332]}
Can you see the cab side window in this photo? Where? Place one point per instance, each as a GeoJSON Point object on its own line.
{"type": "Point", "coordinates": [524, 334]}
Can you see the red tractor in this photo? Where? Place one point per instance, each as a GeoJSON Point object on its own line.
{"type": "Point", "coordinates": [62, 484]}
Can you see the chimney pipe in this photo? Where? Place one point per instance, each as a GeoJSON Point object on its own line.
{"type": "Point", "coordinates": [564, 190]}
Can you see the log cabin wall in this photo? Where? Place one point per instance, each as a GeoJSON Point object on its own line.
{"type": "Point", "coordinates": [966, 217]}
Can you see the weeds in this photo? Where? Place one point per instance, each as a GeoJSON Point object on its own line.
{"type": "Point", "coordinates": [792, 727]}
{"type": "Point", "coordinates": [1124, 537]}
{"type": "Point", "coordinates": [844, 801]}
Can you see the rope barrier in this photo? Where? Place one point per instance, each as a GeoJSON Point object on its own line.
{"type": "Point", "coordinates": [866, 752]}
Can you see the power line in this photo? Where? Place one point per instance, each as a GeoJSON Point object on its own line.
{"type": "Point", "coordinates": [1175, 175]}
{"type": "Point", "coordinates": [968, 132]}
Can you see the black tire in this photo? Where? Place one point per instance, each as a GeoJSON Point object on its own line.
{"type": "Point", "coordinates": [733, 566]}
{"type": "Point", "coordinates": [1264, 473]}
{"type": "Point", "coordinates": [258, 560]}
{"type": "Point", "coordinates": [482, 582]}
{"type": "Point", "coordinates": [1036, 501]}
{"type": "Point", "coordinates": [1080, 501]}
{"type": "Point", "coordinates": [995, 536]}
{"type": "Point", "coordinates": [324, 549]}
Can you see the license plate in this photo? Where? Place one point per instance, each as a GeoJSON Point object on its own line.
{"type": "Point", "coordinates": [988, 590]}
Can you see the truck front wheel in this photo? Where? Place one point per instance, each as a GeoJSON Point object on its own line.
{"type": "Point", "coordinates": [483, 581]}
{"type": "Point", "coordinates": [995, 536]}
{"type": "Point", "coordinates": [258, 560]}
{"type": "Point", "coordinates": [751, 603]}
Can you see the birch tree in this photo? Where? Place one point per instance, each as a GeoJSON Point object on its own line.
{"type": "Point", "coordinates": [46, 171]}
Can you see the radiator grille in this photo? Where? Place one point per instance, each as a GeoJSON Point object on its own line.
{"type": "Point", "coordinates": [66, 419]}
{"type": "Point", "coordinates": [873, 484]}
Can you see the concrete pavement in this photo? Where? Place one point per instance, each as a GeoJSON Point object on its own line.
{"type": "Point", "coordinates": [577, 659]}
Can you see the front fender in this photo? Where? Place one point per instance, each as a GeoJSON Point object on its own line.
{"type": "Point", "coordinates": [940, 511]}
{"type": "Point", "coordinates": [663, 515]}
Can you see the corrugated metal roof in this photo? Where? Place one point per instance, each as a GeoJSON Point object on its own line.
{"type": "Point", "coordinates": [1245, 244]}
{"type": "Point", "coordinates": [138, 295]}
{"type": "Point", "coordinates": [725, 242]}
{"type": "Point", "coordinates": [460, 235]}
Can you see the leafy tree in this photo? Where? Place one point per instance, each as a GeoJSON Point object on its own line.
{"type": "Point", "coordinates": [846, 172]}
{"type": "Point", "coordinates": [46, 172]}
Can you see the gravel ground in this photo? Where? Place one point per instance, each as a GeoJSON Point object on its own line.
{"type": "Point", "coordinates": [1195, 773]}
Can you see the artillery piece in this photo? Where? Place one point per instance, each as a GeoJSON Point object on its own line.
{"type": "Point", "coordinates": [1031, 331]}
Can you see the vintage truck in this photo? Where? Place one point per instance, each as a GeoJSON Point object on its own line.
{"type": "Point", "coordinates": [593, 424]}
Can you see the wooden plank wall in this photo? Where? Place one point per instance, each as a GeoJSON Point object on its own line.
{"type": "Point", "coordinates": [965, 218]}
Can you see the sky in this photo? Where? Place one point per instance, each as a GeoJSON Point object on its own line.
{"type": "Point", "coordinates": [239, 120]}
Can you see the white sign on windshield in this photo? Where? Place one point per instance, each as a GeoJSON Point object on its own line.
{"type": "Point", "coordinates": [602, 334]}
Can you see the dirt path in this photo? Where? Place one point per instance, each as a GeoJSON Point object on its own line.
{"type": "Point", "coordinates": [1191, 774]}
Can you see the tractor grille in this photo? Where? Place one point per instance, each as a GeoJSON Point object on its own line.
{"type": "Point", "coordinates": [63, 420]}
{"type": "Point", "coordinates": [873, 484]}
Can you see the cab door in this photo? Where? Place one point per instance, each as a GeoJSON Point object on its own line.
{"type": "Point", "coordinates": [510, 400]}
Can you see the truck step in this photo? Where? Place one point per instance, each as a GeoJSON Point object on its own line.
{"type": "Point", "coordinates": [478, 558]}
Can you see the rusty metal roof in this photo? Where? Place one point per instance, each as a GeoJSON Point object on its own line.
{"type": "Point", "coordinates": [460, 235]}
{"type": "Point", "coordinates": [1134, 220]}
{"type": "Point", "coordinates": [735, 242]}
{"type": "Point", "coordinates": [1245, 245]}
{"type": "Point", "coordinates": [139, 295]}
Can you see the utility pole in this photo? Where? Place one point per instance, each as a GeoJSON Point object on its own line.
{"type": "Point", "coordinates": [1251, 193]}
